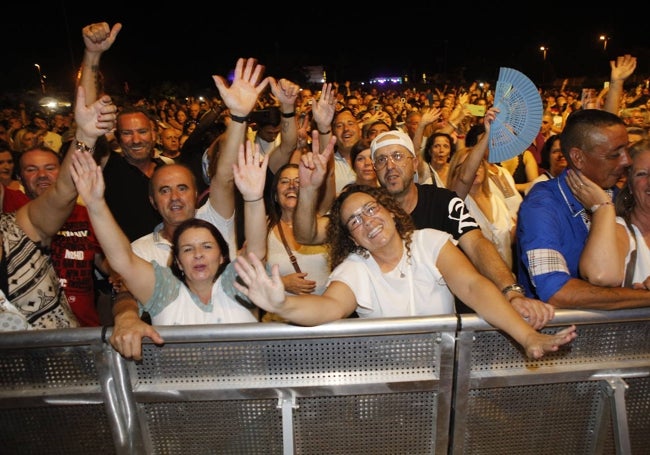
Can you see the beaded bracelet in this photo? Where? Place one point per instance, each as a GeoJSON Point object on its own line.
{"type": "Point", "coordinates": [82, 147]}
{"type": "Point", "coordinates": [597, 206]}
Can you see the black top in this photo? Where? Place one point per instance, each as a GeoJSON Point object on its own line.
{"type": "Point", "coordinates": [127, 195]}
{"type": "Point", "coordinates": [442, 209]}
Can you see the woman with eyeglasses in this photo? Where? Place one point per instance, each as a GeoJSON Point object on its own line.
{"type": "Point", "coordinates": [383, 267]}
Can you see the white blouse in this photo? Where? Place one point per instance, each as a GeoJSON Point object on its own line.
{"type": "Point", "coordinates": [172, 303]}
{"type": "Point", "coordinates": [498, 231]}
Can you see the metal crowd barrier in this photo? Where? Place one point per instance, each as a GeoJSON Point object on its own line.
{"type": "Point", "coordinates": [445, 384]}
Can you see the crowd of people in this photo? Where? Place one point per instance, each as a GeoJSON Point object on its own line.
{"type": "Point", "coordinates": [275, 202]}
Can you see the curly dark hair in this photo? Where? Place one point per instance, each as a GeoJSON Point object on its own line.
{"type": "Point", "coordinates": [339, 240]}
{"type": "Point", "coordinates": [198, 223]}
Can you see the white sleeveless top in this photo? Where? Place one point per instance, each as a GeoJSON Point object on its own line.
{"type": "Point", "coordinates": [642, 265]}
{"type": "Point", "coordinates": [312, 259]}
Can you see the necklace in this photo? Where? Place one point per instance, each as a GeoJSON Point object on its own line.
{"type": "Point", "coordinates": [403, 267]}
{"type": "Point", "coordinates": [407, 271]}
{"type": "Point", "coordinates": [287, 223]}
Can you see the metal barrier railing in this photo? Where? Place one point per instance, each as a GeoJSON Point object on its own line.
{"type": "Point", "coordinates": [443, 384]}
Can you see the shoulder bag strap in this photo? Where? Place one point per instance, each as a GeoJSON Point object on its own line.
{"type": "Point", "coordinates": [629, 271]}
{"type": "Point", "coordinates": [294, 261]}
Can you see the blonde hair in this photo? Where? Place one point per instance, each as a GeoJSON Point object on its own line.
{"type": "Point", "coordinates": [455, 166]}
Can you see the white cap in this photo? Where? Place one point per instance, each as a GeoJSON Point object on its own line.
{"type": "Point", "coordinates": [392, 137]}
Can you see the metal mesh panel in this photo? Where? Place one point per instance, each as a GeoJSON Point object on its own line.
{"type": "Point", "coordinates": [355, 360]}
{"type": "Point", "coordinates": [597, 344]}
{"type": "Point", "coordinates": [371, 394]}
{"type": "Point", "coordinates": [45, 368]}
{"type": "Point", "coordinates": [65, 430]}
{"type": "Point", "coordinates": [544, 419]}
{"type": "Point", "coordinates": [366, 424]}
{"type": "Point", "coordinates": [552, 419]}
{"type": "Point", "coordinates": [637, 401]}
{"type": "Point", "coordinates": [215, 427]}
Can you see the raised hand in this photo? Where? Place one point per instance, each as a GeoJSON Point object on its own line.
{"type": "Point", "coordinates": [285, 91]}
{"type": "Point", "coordinates": [100, 37]}
{"type": "Point", "coordinates": [241, 96]}
{"type": "Point", "coordinates": [304, 129]}
{"type": "Point", "coordinates": [87, 177]}
{"type": "Point", "coordinates": [622, 67]}
{"type": "Point", "coordinates": [95, 120]}
{"type": "Point", "coordinates": [250, 171]}
{"type": "Point", "coordinates": [267, 292]}
{"type": "Point", "coordinates": [430, 115]}
{"type": "Point", "coordinates": [312, 168]}
{"type": "Point", "coordinates": [324, 108]}
{"type": "Point", "coordinates": [490, 116]}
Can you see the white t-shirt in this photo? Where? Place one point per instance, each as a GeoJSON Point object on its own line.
{"type": "Point", "coordinates": [343, 173]}
{"type": "Point", "coordinates": [410, 289]}
{"type": "Point", "coordinates": [154, 247]}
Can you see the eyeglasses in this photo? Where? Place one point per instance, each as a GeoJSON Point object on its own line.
{"type": "Point", "coordinates": [396, 157]}
{"type": "Point", "coordinates": [370, 209]}
{"type": "Point", "coordinates": [288, 181]}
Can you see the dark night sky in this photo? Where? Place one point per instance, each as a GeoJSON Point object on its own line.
{"type": "Point", "coordinates": [186, 46]}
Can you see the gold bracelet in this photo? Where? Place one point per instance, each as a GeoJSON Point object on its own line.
{"type": "Point", "coordinates": [254, 200]}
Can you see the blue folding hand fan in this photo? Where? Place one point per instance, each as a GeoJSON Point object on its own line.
{"type": "Point", "coordinates": [520, 116]}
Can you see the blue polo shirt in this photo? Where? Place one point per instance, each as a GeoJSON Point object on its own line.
{"type": "Point", "coordinates": [552, 229]}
